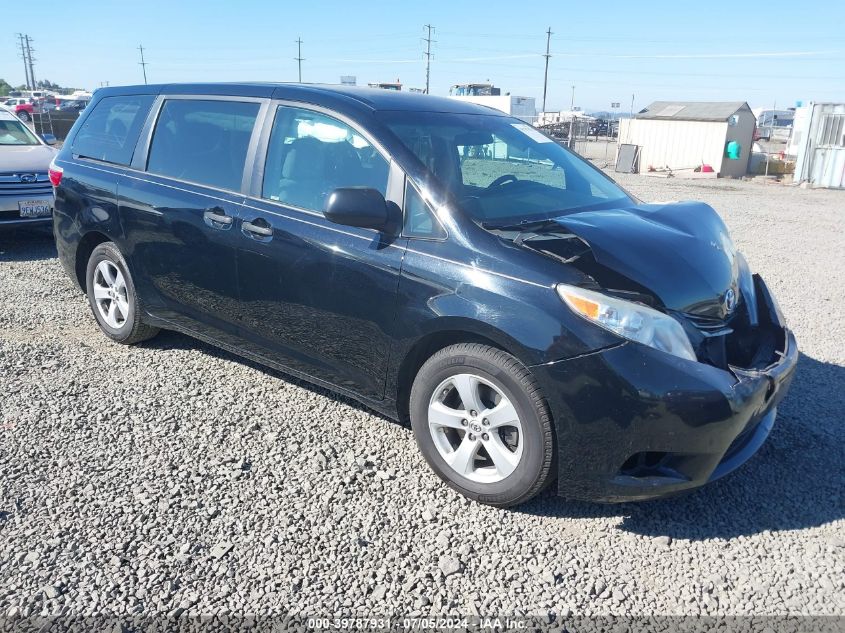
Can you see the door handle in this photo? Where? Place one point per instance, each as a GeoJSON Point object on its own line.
{"type": "Point", "coordinates": [217, 215]}
{"type": "Point", "coordinates": [257, 229]}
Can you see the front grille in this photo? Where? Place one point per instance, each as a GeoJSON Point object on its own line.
{"type": "Point", "coordinates": [11, 184]}
{"type": "Point", "coordinates": [709, 325]}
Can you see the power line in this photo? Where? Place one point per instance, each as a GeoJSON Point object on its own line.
{"type": "Point", "coordinates": [143, 63]}
{"type": "Point", "coordinates": [31, 64]}
{"type": "Point", "coordinates": [299, 58]}
{"type": "Point", "coordinates": [546, 74]}
{"type": "Point", "coordinates": [22, 46]}
{"type": "Point", "coordinates": [427, 54]}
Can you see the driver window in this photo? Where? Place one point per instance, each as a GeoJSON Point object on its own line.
{"type": "Point", "coordinates": [490, 161]}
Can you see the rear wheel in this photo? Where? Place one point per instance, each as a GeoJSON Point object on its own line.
{"type": "Point", "coordinates": [482, 424]}
{"type": "Point", "coordinates": [112, 296]}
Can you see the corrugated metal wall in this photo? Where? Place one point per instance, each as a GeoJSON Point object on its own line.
{"type": "Point", "coordinates": [680, 145]}
{"type": "Point", "coordinates": [821, 155]}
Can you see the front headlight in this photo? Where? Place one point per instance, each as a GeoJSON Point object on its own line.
{"type": "Point", "coordinates": [632, 321]}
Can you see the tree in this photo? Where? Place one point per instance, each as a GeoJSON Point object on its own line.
{"type": "Point", "coordinates": [5, 88]}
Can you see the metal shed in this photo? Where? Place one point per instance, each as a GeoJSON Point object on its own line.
{"type": "Point", "coordinates": [819, 136]}
{"type": "Point", "coordinates": [683, 135]}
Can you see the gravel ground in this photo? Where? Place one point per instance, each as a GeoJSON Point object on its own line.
{"type": "Point", "coordinates": [175, 478]}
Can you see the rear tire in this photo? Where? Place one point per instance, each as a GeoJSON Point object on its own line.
{"type": "Point", "coordinates": [482, 424]}
{"type": "Point", "coordinates": [112, 297]}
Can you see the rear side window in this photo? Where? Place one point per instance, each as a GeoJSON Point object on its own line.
{"type": "Point", "coordinates": [311, 154]}
{"type": "Point", "coordinates": [203, 141]}
{"type": "Point", "coordinates": [112, 128]}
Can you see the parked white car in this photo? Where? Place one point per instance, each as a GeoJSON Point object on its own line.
{"type": "Point", "coordinates": [26, 195]}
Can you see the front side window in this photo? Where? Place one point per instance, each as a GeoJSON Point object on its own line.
{"type": "Point", "coordinates": [203, 141]}
{"type": "Point", "coordinates": [311, 154]}
{"type": "Point", "coordinates": [501, 170]}
{"type": "Point", "coordinates": [16, 133]}
{"type": "Point", "coordinates": [111, 130]}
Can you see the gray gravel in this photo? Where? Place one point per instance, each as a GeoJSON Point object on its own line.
{"type": "Point", "coordinates": [174, 478]}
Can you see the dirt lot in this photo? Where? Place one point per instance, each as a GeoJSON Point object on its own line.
{"type": "Point", "coordinates": [174, 478]}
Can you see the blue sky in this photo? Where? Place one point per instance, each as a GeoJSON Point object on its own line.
{"type": "Point", "coordinates": [760, 52]}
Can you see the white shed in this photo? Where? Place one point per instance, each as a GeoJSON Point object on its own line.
{"type": "Point", "coordinates": [683, 135]}
{"type": "Point", "coordinates": [819, 142]}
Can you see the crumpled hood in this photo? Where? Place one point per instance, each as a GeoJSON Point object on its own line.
{"type": "Point", "coordinates": [680, 251]}
{"type": "Point", "coordinates": [18, 159]}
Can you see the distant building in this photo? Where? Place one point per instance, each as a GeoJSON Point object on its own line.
{"type": "Point", "coordinates": [562, 116]}
{"type": "Point", "coordinates": [490, 96]}
{"type": "Point", "coordinates": [818, 141]}
{"type": "Point", "coordinates": [474, 90]}
{"type": "Point", "coordinates": [683, 135]}
{"type": "Point", "coordinates": [387, 85]}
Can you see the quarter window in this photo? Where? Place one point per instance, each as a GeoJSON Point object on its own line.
{"type": "Point", "coordinates": [110, 131]}
{"type": "Point", "coordinates": [419, 219]}
{"type": "Point", "coordinates": [311, 154]}
{"type": "Point", "coordinates": [203, 141]}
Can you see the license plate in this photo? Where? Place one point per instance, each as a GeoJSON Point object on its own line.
{"type": "Point", "coordinates": [35, 208]}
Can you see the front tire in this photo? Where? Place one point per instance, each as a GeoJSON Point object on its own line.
{"type": "Point", "coordinates": [23, 115]}
{"type": "Point", "coordinates": [482, 424]}
{"type": "Point", "coordinates": [112, 297]}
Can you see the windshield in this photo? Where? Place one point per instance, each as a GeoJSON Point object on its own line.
{"type": "Point", "coordinates": [501, 170]}
{"type": "Point", "coordinates": [16, 133]}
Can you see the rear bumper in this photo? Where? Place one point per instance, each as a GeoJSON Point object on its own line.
{"type": "Point", "coordinates": [634, 423]}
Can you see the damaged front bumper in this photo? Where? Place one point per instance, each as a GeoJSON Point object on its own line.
{"type": "Point", "coordinates": [635, 423]}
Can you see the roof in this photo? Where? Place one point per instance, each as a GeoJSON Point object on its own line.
{"type": "Point", "coordinates": [692, 110]}
{"type": "Point", "coordinates": [325, 94]}
{"type": "Point", "coordinates": [6, 115]}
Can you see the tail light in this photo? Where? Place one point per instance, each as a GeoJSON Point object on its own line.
{"type": "Point", "coordinates": [55, 172]}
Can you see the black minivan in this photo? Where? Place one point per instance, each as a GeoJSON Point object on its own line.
{"type": "Point", "coordinates": [438, 261]}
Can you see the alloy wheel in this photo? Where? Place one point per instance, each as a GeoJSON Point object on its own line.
{"type": "Point", "coordinates": [110, 294]}
{"type": "Point", "coordinates": [475, 428]}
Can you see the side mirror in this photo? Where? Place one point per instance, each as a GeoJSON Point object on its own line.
{"type": "Point", "coordinates": [49, 139]}
{"type": "Point", "coordinates": [362, 207]}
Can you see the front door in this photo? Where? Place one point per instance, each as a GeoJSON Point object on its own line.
{"type": "Point", "coordinates": [319, 297]}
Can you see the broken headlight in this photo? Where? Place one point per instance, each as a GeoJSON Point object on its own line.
{"type": "Point", "coordinates": [632, 321]}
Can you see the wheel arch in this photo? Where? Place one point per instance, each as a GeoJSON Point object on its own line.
{"type": "Point", "coordinates": [86, 246]}
{"type": "Point", "coordinates": [450, 332]}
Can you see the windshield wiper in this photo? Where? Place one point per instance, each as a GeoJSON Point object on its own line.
{"type": "Point", "coordinates": [525, 226]}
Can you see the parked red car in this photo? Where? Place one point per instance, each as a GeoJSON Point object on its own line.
{"type": "Point", "coordinates": [21, 107]}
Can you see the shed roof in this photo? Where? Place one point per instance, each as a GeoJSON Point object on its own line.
{"type": "Point", "coordinates": [692, 110]}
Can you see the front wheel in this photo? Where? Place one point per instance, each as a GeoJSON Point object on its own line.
{"type": "Point", "coordinates": [482, 424]}
{"type": "Point", "coordinates": [23, 115]}
{"type": "Point", "coordinates": [112, 296]}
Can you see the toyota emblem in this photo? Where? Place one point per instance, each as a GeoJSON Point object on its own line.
{"type": "Point", "coordinates": [28, 177]}
{"type": "Point", "coordinates": [730, 300]}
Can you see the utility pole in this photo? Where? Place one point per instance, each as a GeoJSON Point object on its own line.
{"type": "Point", "coordinates": [298, 58]}
{"type": "Point", "coordinates": [29, 58]}
{"type": "Point", "coordinates": [22, 46]}
{"type": "Point", "coordinates": [142, 62]}
{"type": "Point", "coordinates": [546, 75]}
{"type": "Point", "coordinates": [427, 53]}
{"type": "Point", "coordinates": [572, 101]}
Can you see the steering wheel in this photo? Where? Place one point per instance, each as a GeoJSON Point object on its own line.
{"type": "Point", "coordinates": [501, 180]}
